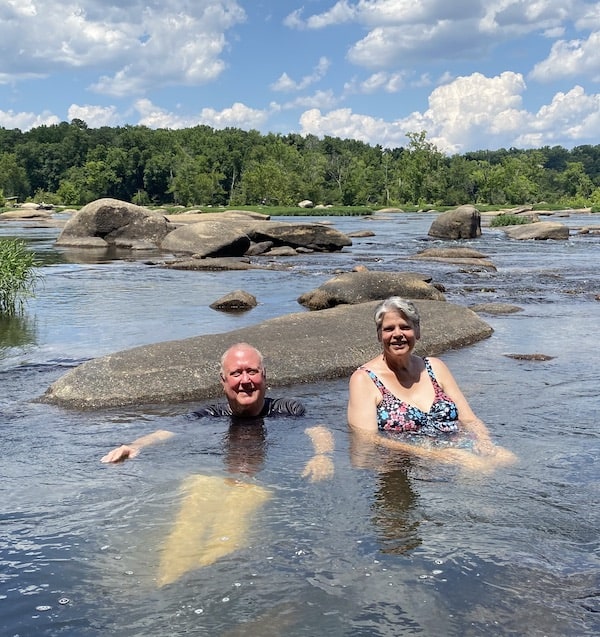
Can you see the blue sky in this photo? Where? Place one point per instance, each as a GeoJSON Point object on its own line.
{"type": "Point", "coordinates": [474, 74]}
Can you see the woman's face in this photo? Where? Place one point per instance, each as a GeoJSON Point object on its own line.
{"type": "Point", "coordinates": [397, 334]}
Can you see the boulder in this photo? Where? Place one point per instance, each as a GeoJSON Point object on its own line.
{"type": "Point", "coordinates": [495, 308]}
{"type": "Point", "coordinates": [298, 348]}
{"type": "Point", "coordinates": [306, 203]}
{"type": "Point", "coordinates": [539, 231]}
{"type": "Point", "coordinates": [462, 223]}
{"type": "Point", "coordinates": [26, 213]}
{"type": "Point", "coordinates": [113, 222]}
{"type": "Point", "coordinates": [208, 239]}
{"type": "Point", "coordinates": [212, 264]}
{"type": "Point", "coordinates": [307, 235]}
{"type": "Point", "coordinates": [361, 234]}
{"type": "Point", "coordinates": [457, 256]}
{"type": "Point", "coordinates": [351, 288]}
{"type": "Point", "coordinates": [237, 301]}
{"type": "Point", "coordinates": [234, 215]}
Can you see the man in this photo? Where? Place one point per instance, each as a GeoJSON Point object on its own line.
{"type": "Point", "coordinates": [244, 381]}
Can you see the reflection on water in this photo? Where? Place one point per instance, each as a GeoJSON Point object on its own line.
{"type": "Point", "coordinates": [16, 331]}
{"type": "Point", "coordinates": [388, 547]}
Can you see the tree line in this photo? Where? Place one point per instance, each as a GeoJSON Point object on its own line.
{"type": "Point", "coordinates": [71, 164]}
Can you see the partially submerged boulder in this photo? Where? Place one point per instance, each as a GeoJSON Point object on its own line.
{"type": "Point", "coordinates": [110, 222]}
{"type": "Point", "coordinates": [457, 256]}
{"type": "Point", "coordinates": [540, 231]}
{"type": "Point", "coordinates": [316, 236]}
{"type": "Point", "coordinates": [236, 301]}
{"type": "Point", "coordinates": [350, 288]}
{"type": "Point", "coordinates": [303, 347]}
{"type": "Point", "coordinates": [208, 239]}
{"type": "Point", "coordinates": [462, 223]}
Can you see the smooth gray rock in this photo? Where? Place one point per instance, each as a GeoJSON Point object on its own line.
{"type": "Point", "coordinates": [362, 286]}
{"type": "Point", "coordinates": [236, 301]}
{"type": "Point", "coordinates": [462, 223]}
{"type": "Point", "coordinates": [108, 221]}
{"type": "Point", "coordinates": [208, 239]}
{"type": "Point", "coordinates": [540, 231]}
{"type": "Point", "coordinates": [303, 347]}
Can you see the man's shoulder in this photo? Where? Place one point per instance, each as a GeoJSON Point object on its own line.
{"type": "Point", "coordinates": [284, 407]}
{"type": "Point", "coordinates": [214, 409]}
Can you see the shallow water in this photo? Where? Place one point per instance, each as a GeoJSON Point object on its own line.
{"type": "Point", "coordinates": [388, 546]}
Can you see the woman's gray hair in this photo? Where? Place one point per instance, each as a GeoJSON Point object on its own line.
{"type": "Point", "coordinates": [397, 304]}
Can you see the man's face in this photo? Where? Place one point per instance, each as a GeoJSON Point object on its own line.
{"type": "Point", "coordinates": [244, 382]}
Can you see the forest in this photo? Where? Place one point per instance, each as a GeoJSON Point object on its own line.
{"type": "Point", "coordinates": [71, 164]}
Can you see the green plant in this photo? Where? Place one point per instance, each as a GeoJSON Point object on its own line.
{"type": "Point", "coordinates": [509, 220]}
{"type": "Point", "coordinates": [18, 275]}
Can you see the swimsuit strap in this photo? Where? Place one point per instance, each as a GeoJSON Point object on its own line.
{"type": "Point", "coordinates": [436, 386]}
{"type": "Point", "coordinates": [382, 388]}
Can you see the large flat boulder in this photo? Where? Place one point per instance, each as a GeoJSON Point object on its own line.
{"type": "Point", "coordinates": [303, 347]}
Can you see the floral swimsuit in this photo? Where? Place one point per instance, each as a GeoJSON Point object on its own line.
{"type": "Point", "coordinates": [394, 415]}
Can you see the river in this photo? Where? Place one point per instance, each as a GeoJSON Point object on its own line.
{"type": "Point", "coordinates": [386, 547]}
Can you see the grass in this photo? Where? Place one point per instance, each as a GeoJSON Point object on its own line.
{"type": "Point", "coordinates": [509, 220]}
{"type": "Point", "coordinates": [18, 276]}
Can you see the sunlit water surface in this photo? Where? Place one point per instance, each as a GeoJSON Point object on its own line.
{"type": "Point", "coordinates": [393, 547]}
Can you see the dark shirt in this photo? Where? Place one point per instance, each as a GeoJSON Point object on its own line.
{"type": "Point", "coordinates": [272, 407]}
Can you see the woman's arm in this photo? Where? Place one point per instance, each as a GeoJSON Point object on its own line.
{"type": "Point", "coordinates": [133, 448]}
{"type": "Point", "coordinates": [362, 402]}
{"type": "Point", "coordinates": [465, 414]}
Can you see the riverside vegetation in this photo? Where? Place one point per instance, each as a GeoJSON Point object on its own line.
{"type": "Point", "coordinates": [18, 276]}
{"type": "Point", "coordinates": [72, 164]}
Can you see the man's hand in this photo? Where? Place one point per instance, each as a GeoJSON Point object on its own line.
{"type": "Point", "coordinates": [120, 453]}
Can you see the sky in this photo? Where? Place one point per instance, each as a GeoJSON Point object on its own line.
{"type": "Point", "coordinates": [473, 74]}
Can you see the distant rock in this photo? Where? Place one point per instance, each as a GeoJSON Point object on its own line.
{"type": "Point", "coordinates": [530, 357]}
{"type": "Point", "coordinates": [457, 256]}
{"type": "Point", "coordinates": [237, 301]}
{"type": "Point", "coordinates": [540, 231]}
{"type": "Point", "coordinates": [351, 288]}
{"type": "Point", "coordinates": [306, 203]}
{"type": "Point", "coordinates": [495, 308]}
{"type": "Point", "coordinates": [462, 223]}
{"type": "Point", "coordinates": [208, 239]}
{"type": "Point", "coordinates": [107, 222]}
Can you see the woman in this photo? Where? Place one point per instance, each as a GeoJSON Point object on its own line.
{"type": "Point", "coordinates": [406, 402]}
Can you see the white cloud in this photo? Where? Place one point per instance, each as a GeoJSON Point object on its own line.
{"type": "Point", "coordinates": [137, 44]}
{"type": "Point", "coordinates": [25, 121]}
{"type": "Point", "coordinates": [340, 13]}
{"type": "Point", "coordinates": [472, 113]}
{"type": "Point", "coordinates": [577, 113]}
{"type": "Point", "coordinates": [346, 124]}
{"type": "Point", "coordinates": [238, 115]}
{"type": "Point", "coordinates": [320, 99]}
{"type": "Point", "coordinates": [95, 116]}
{"type": "Point", "coordinates": [286, 84]}
{"type": "Point", "coordinates": [380, 81]}
{"type": "Point", "coordinates": [575, 58]}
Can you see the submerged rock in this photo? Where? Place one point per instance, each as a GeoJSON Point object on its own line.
{"type": "Point", "coordinates": [362, 286]}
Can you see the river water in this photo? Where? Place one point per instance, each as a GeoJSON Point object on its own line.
{"type": "Point", "coordinates": [388, 546]}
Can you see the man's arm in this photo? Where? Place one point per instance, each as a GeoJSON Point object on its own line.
{"type": "Point", "coordinates": [133, 448]}
{"type": "Point", "coordinates": [320, 466]}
